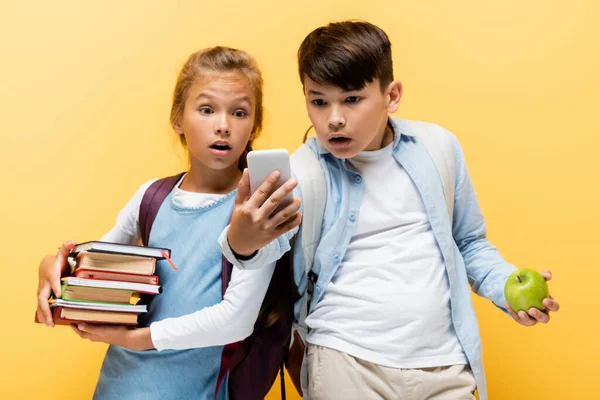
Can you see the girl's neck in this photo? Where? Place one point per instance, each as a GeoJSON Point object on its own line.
{"type": "Point", "coordinates": [201, 179]}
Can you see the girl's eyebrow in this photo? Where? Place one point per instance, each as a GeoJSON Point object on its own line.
{"type": "Point", "coordinates": [242, 97]}
{"type": "Point", "coordinates": [245, 98]}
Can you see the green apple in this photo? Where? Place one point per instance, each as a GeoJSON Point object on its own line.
{"type": "Point", "coordinates": [524, 289]}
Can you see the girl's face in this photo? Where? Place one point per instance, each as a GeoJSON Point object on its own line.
{"type": "Point", "coordinates": [218, 118]}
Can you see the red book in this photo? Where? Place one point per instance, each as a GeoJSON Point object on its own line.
{"type": "Point", "coordinates": [68, 316]}
{"type": "Point", "coordinates": [115, 276]}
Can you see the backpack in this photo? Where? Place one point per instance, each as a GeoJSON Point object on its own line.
{"type": "Point", "coordinates": [311, 179]}
{"type": "Point", "coordinates": [253, 363]}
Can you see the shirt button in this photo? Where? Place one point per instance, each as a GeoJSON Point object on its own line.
{"type": "Point", "coordinates": [318, 289]}
{"type": "Point", "coordinates": [352, 217]}
{"type": "Point", "coordinates": [357, 179]}
{"type": "Point", "coordinates": [336, 257]}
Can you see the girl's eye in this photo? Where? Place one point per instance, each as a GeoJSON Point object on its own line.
{"type": "Point", "coordinates": [319, 102]}
{"type": "Point", "coordinates": [240, 114]}
{"type": "Point", "coordinates": [205, 110]}
{"type": "Point", "coordinates": [353, 99]}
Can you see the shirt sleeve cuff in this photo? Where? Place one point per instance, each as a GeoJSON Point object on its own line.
{"type": "Point", "coordinates": [257, 261]}
{"type": "Point", "coordinates": [158, 336]}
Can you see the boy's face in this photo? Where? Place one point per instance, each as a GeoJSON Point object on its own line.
{"type": "Point", "coordinates": [348, 122]}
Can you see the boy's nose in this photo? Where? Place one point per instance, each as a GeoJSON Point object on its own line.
{"type": "Point", "coordinates": [336, 120]}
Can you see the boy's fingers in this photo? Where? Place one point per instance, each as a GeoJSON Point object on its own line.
{"type": "Point", "coordinates": [525, 319]}
{"type": "Point", "coordinates": [511, 312]}
{"type": "Point", "coordinates": [547, 274]}
{"type": "Point", "coordinates": [243, 188]}
{"type": "Point", "coordinates": [540, 316]}
{"type": "Point", "coordinates": [264, 190]}
{"type": "Point", "coordinates": [551, 304]}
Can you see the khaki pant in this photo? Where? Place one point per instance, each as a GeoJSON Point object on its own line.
{"type": "Point", "coordinates": [335, 375]}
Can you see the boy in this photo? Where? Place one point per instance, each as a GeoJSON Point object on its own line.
{"type": "Point", "coordinates": [391, 314]}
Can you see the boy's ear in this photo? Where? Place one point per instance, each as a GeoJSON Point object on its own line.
{"type": "Point", "coordinates": [394, 95]}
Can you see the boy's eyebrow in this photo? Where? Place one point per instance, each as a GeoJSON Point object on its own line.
{"type": "Point", "coordinates": [317, 93]}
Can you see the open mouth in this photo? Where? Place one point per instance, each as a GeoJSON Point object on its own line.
{"type": "Point", "coordinates": [339, 141]}
{"type": "Point", "coordinates": [220, 147]}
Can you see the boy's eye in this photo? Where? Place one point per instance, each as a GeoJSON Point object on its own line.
{"type": "Point", "coordinates": [319, 102]}
{"type": "Point", "coordinates": [240, 114]}
{"type": "Point", "coordinates": [206, 110]}
{"type": "Point", "coordinates": [353, 99]}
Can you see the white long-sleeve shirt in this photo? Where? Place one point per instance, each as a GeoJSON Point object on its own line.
{"type": "Point", "coordinates": [230, 320]}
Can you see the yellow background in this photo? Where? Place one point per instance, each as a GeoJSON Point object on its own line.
{"type": "Point", "coordinates": [84, 103]}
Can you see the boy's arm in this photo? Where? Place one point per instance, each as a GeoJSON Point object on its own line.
{"type": "Point", "coordinates": [487, 270]}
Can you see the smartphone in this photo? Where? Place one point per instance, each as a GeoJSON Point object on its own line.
{"type": "Point", "coordinates": [261, 163]}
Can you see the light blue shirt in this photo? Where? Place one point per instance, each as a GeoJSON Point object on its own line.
{"type": "Point", "coordinates": [191, 233]}
{"type": "Point", "coordinates": [468, 257]}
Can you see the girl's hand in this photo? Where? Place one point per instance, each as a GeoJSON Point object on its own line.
{"type": "Point", "coordinates": [533, 315]}
{"type": "Point", "coordinates": [136, 339]}
{"type": "Point", "coordinates": [51, 269]}
{"type": "Point", "coordinates": [254, 222]}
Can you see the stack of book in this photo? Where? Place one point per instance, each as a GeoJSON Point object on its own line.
{"type": "Point", "coordinates": [108, 285]}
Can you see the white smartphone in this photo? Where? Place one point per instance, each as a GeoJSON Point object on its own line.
{"type": "Point", "coordinates": [261, 163]}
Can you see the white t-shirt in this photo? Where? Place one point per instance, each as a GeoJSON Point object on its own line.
{"type": "Point", "coordinates": [229, 321]}
{"type": "Point", "coordinates": [389, 300]}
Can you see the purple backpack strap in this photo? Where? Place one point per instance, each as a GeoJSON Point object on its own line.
{"type": "Point", "coordinates": [156, 193]}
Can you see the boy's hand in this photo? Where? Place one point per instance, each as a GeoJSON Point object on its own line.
{"type": "Point", "coordinates": [533, 315]}
{"type": "Point", "coordinates": [50, 271]}
{"type": "Point", "coordinates": [254, 222]}
{"type": "Point", "coordinates": [136, 339]}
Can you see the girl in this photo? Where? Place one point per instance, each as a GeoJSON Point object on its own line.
{"type": "Point", "coordinates": [217, 112]}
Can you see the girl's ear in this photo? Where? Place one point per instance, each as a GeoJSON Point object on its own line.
{"type": "Point", "coordinates": [394, 95]}
{"type": "Point", "coordinates": [177, 126]}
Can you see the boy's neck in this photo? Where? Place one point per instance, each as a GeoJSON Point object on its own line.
{"type": "Point", "coordinates": [201, 179]}
{"type": "Point", "coordinates": [382, 139]}
{"type": "Point", "coordinates": [388, 136]}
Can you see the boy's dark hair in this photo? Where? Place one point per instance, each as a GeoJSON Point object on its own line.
{"type": "Point", "coordinates": [346, 54]}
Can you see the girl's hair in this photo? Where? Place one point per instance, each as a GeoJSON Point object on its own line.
{"type": "Point", "coordinates": [219, 59]}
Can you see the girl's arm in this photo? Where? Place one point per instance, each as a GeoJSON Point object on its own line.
{"type": "Point", "coordinates": [53, 267]}
{"type": "Point", "coordinates": [229, 321]}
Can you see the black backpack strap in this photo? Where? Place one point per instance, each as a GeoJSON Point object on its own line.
{"type": "Point", "coordinates": [282, 381]}
{"type": "Point", "coordinates": [156, 193]}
